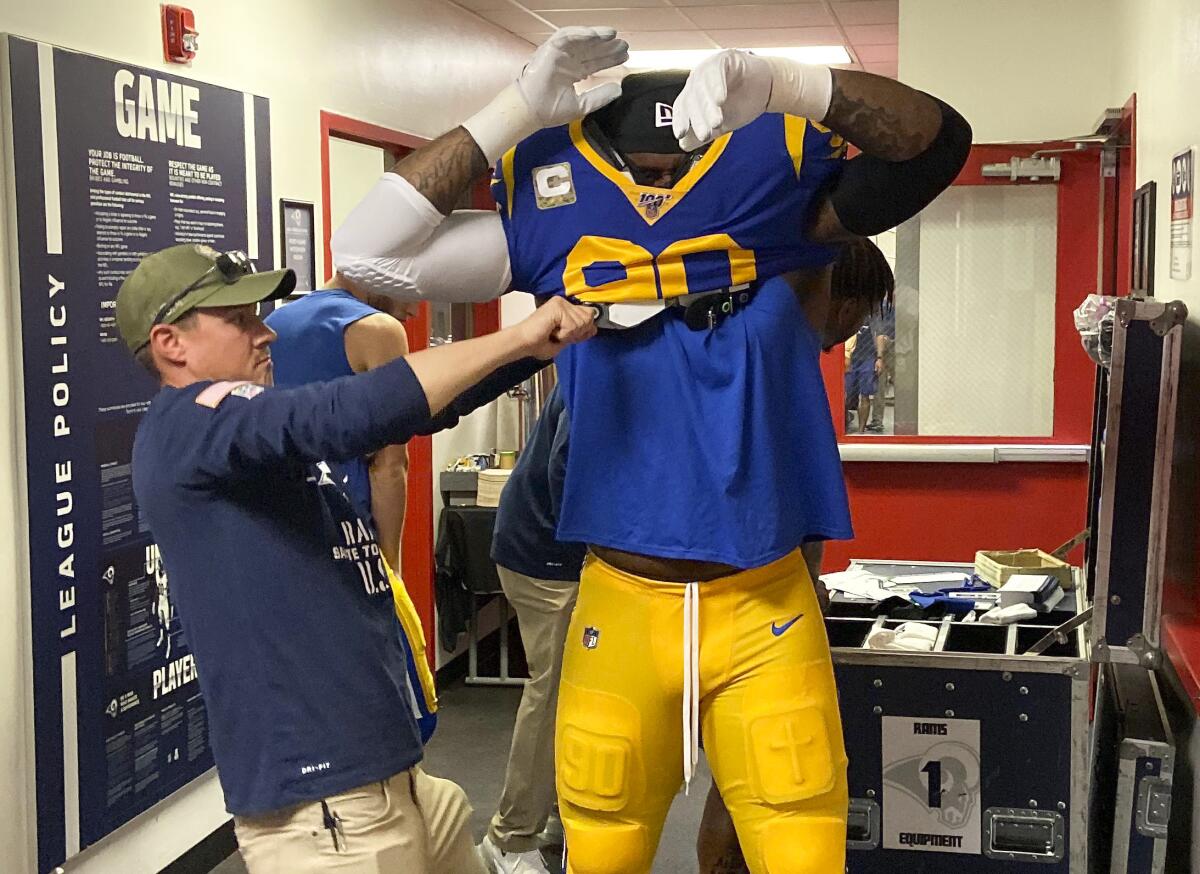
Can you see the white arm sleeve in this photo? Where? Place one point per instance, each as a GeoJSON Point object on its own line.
{"type": "Point", "coordinates": [395, 242]}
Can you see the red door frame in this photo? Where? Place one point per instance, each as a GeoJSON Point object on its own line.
{"type": "Point", "coordinates": [417, 545]}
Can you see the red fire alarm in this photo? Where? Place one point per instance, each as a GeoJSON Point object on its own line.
{"type": "Point", "coordinates": [179, 34]}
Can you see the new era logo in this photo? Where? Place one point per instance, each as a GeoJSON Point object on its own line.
{"type": "Point", "coordinates": [662, 115]}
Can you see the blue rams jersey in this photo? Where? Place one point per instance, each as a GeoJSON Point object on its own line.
{"type": "Point", "coordinates": [579, 227]}
{"type": "Point", "coordinates": [707, 445]}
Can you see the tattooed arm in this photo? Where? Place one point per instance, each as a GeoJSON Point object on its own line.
{"type": "Point", "coordinates": [442, 171]}
{"type": "Point", "coordinates": [913, 145]}
{"type": "Point", "coordinates": [881, 116]}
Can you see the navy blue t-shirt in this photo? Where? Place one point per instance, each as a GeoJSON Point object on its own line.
{"type": "Point", "coordinates": [525, 538]}
{"type": "Point", "coordinates": [279, 582]}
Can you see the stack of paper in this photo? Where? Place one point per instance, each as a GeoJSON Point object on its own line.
{"type": "Point", "coordinates": [491, 484]}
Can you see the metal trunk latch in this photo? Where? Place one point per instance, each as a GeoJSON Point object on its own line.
{"type": "Point", "coordinates": [1154, 807]}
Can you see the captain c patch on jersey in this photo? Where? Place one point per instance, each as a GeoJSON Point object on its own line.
{"type": "Point", "coordinates": [553, 185]}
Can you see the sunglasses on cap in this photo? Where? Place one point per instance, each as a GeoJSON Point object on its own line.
{"type": "Point", "coordinates": [231, 266]}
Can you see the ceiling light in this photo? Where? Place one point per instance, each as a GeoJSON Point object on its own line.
{"type": "Point", "coordinates": [685, 59]}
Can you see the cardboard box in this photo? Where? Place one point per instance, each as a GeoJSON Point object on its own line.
{"type": "Point", "coordinates": [996, 567]}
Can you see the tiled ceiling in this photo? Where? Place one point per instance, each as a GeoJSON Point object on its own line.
{"type": "Point", "coordinates": [867, 28]}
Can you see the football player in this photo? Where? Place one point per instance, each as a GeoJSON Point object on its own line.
{"type": "Point", "coordinates": [691, 474]}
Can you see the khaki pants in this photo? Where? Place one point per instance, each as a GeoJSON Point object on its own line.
{"type": "Point", "coordinates": [543, 610]}
{"type": "Point", "coordinates": [410, 823]}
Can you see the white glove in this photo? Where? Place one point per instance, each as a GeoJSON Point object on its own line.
{"type": "Point", "coordinates": [544, 94]}
{"type": "Point", "coordinates": [732, 88]}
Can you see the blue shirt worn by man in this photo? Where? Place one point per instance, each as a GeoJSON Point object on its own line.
{"type": "Point", "coordinates": [311, 347]}
{"type": "Point", "coordinates": [525, 538]}
{"type": "Point", "coordinates": [279, 582]}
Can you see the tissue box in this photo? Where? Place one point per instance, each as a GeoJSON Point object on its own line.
{"type": "Point", "coordinates": [998, 567]}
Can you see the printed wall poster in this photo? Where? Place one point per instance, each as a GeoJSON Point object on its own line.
{"type": "Point", "coordinates": [1183, 173]}
{"type": "Point", "coordinates": [111, 162]}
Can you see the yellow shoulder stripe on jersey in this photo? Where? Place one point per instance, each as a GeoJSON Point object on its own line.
{"type": "Point", "coordinates": [506, 170]}
{"type": "Point", "coordinates": [837, 144]}
{"type": "Point", "coordinates": [649, 202]}
{"type": "Point", "coordinates": [793, 132]}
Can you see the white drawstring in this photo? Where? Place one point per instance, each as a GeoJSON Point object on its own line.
{"type": "Point", "coordinates": [691, 682]}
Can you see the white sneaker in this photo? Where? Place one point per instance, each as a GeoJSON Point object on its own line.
{"type": "Point", "coordinates": [511, 863]}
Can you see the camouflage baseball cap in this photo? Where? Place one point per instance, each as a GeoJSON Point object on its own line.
{"type": "Point", "coordinates": [169, 284]}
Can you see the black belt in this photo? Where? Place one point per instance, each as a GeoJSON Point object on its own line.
{"type": "Point", "coordinates": [706, 311]}
{"type": "Point", "coordinates": [701, 312]}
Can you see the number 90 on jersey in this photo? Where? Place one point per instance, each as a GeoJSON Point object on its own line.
{"type": "Point", "coordinates": [610, 270]}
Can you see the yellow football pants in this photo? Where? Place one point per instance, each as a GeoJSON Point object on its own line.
{"type": "Point", "coordinates": [768, 708]}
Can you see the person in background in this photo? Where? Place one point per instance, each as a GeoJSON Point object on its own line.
{"type": "Point", "coordinates": [863, 363]}
{"type": "Point", "coordinates": [335, 332]}
{"type": "Point", "coordinates": [540, 577]}
{"type": "Point", "coordinates": [885, 333]}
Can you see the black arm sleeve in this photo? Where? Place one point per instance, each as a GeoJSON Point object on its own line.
{"type": "Point", "coordinates": [874, 195]}
{"type": "Point", "coordinates": [486, 390]}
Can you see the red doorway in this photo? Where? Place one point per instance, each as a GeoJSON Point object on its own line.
{"type": "Point", "coordinates": [417, 568]}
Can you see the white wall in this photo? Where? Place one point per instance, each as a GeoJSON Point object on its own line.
{"type": "Point", "coordinates": [1027, 70]}
{"type": "Point", "coordinates": [354, 168]}
{"type": "Point", "coordinates": [419, 67]}
{"type": "Point", "coordinates": [1158, 58]}
{"type": "Point", "coordinates": [1024, 70]}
